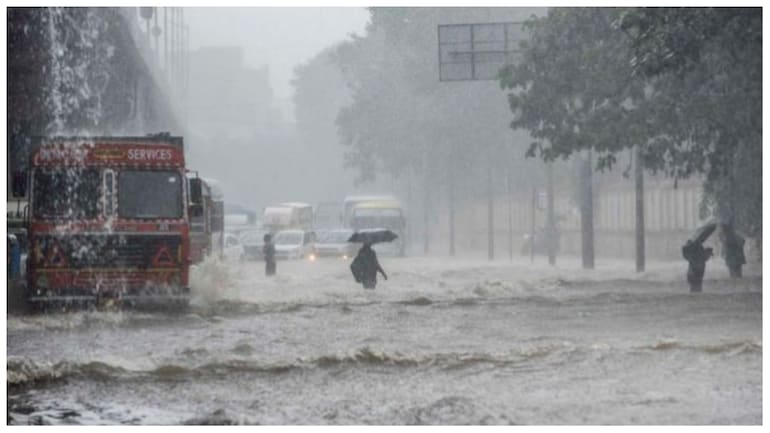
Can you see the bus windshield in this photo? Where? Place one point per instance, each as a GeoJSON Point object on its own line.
{"type": "Point", "coordinates": [71, 193]}
{"type": "Point", "coordinates": [334, 236]}
{"type": "Point", "coordinates": [149, 194]}
{"type": "Point", "coordinates": [288, 238]}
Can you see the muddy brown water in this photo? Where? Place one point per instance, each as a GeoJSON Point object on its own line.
{"type": "Point", "coordinates": [441, 342]}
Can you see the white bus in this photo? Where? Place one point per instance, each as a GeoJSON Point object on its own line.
{"type": "Point", "coordinates": [381, 214]}
{"type": "Point", "coordinates": [352, 201]}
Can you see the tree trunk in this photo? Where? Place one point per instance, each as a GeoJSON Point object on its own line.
{"type": "Point", "coordinates": [587, 213]}
{"type": "Point", "coordinates": [639, 211]}
{"type": "Point", "coordinates": [551, 220]}
{"type": "Point", "coordinates": [532, 227]}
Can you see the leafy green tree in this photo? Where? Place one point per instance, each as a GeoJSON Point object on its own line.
{"type": "Point", "coordinates": [684, 84]}
{"type": "Point", "coordinates": [573, 89]}
{"type": "Point", "coordinates": [707, 68]}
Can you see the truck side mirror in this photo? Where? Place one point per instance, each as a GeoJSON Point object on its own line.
{"type": "Point", "coordinates": [196, 192]}
{"type": "Point", "coordinates": [19, 184]}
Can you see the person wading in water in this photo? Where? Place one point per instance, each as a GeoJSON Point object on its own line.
{"type": "Point", "coordinates": [365, 267]}
{"type": "Point", "coordinates": [268, 251]}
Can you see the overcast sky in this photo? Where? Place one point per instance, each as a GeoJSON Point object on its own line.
{"type": "Point", "coordinates": [278, 37]}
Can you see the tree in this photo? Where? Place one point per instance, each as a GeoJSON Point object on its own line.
{"type": "Point", "coordinates": [320, 92]}
{"type": "Point", "coordinates": [573, 89]}
{"type": "Point", "coordinates": [707, 66]}
{"type": "Point", "coordinates": [683, 83]}
{"type": "Point", "coordinates": [403, 121]}
{"type": "Point", "coordinates": [573, 92]}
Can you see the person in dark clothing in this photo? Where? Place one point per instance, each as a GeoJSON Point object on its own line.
{"type": "Point", "coordinates": [268, 251]}
{"type": "Point", "coordinates": [365, 267]}
{"type": "Point", "coordinates": [696, 256]}
{"type": "Point", "coordinates": [733, 250]}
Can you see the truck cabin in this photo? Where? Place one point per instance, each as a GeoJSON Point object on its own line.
{"type": "Point", "coordinates": [107, 215]}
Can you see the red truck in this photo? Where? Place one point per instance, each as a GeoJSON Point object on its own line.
{"type": "Point", "coordinates": [108, 220]}
{"type": "Point", "coordinates": [207, 222]}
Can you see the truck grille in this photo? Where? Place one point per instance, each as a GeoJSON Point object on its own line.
{"type": "Point", "coordinates": [113, 251]}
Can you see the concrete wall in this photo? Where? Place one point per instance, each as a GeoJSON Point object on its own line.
{"type": "Point", "coordinates": [671, 215]}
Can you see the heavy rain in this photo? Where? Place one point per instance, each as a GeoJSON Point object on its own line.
{"type": "Point", "coordinates": [384, 216]}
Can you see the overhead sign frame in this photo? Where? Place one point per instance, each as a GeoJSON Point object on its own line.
{"type": "Point", "coordinates": [477, 52]}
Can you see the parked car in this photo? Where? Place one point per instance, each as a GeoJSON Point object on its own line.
{"type": "Point", "coordinates": [334, 243]}
{"type": "Point", "coordinates": [252, 241]}
{"type": "Point", "coordinates": [294, 244]}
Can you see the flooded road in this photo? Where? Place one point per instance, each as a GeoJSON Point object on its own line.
{"type": "Point", "coordinates": [443, 341]}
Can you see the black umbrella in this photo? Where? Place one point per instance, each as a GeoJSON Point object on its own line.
{"type": "Point", "coordinates": [373, 236]}
{"type": "Point", "coordinates": [703, 232]}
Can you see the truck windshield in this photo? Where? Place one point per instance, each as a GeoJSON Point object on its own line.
{"type": "Point", "coordinates": [149, 194]}
{"type": "Point", "coordinates": [71, 193]}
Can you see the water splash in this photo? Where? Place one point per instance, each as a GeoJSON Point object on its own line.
{"type": "Point", "coordinates": [210, 281]}
{"type": "Point", "coordinates": [78, 70]}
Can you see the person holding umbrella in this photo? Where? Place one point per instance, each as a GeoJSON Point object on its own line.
{"type": "Point", "coordinates": [697, 256]}
{"type": "Point", "coordinates": [365, 265]}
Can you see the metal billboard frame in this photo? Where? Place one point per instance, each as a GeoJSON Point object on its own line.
{"type": "Point", "coordinates": [477, 51]}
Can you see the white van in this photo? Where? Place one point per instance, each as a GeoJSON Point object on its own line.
{"type": "Point", "coordinates": [294, 244]}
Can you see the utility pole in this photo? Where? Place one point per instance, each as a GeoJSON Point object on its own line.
{"type": "Point", "coordinates": [452, 206]}
{"type": "Point", "coordinates": [490, 213]}
{"type": "Point", "coordinates": [510, 213]}
{"type": "Point", "coordinates": [183, 61]}
{"type": "Point", "coordinates": [175, 50]}
{"type": "Point", "coordinates": [172, 48]}
{"type": "Point", "coordinates": [156, 34]}
{"type": "Point", "coordinates": [165, 41]}
{"type": "Point", "coordinates": [426, 204]}
{"type": "Point", "coordinates": [409, 208]}
{"type": "Point", "coordinates": [532, 227]}
{"type": "Point", "coordinates": [639, 177]}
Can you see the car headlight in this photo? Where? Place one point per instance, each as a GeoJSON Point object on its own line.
{"type": "Point", "coordinates": [311, 257]}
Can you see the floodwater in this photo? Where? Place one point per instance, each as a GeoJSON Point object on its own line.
{"type": "Point", "coordinates": [443, 341]}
